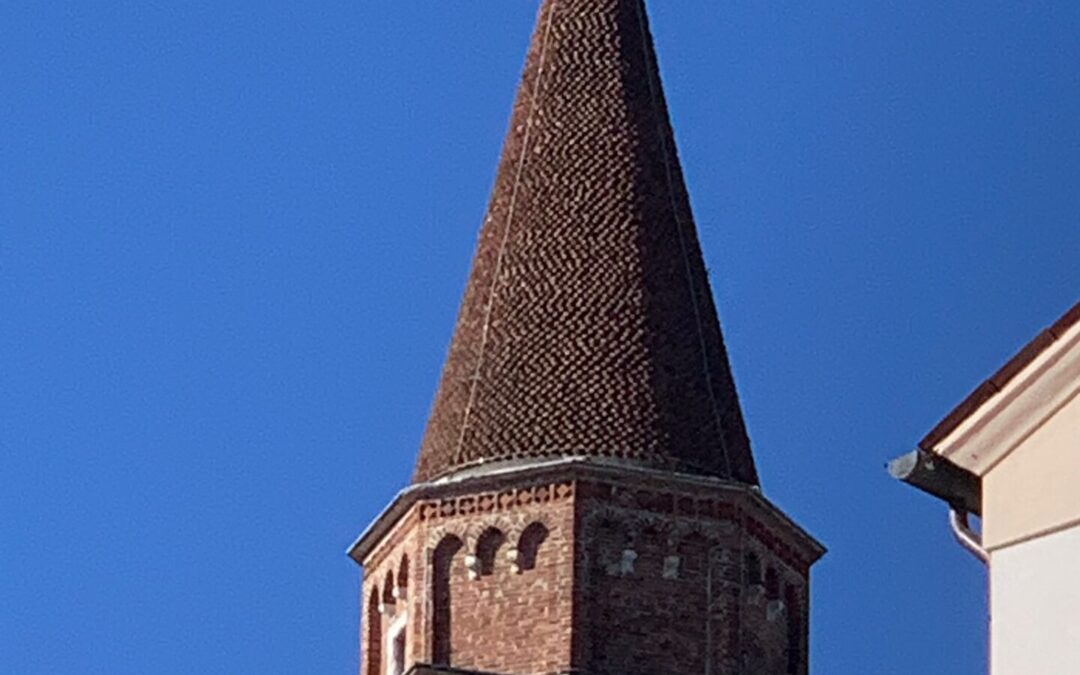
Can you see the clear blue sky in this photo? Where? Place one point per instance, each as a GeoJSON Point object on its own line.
{"type": "Point", "coordinates": [233, 239]}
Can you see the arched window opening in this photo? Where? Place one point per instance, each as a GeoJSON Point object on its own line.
{"type": "Point", "coordinates": [529, 545]}
{"type": "Point", "coordinates": [388, 589]}
{"type": "Point", "coordinates": [753, 569]}
{"type": "Point", "coordinates": [487, 548]}
{"type": "Point", "coordinates": [441, 598]}
{"type": "Point", "coordinates": [402, 578]}
{"type": "Point", "coordinates": [772, 584]}
{"type": "Point", "coordinates": [397, 653]}
{"type": "Point", "coordinates": [396, 645]}
{"type": "Point", "coordinates": [374, 629]}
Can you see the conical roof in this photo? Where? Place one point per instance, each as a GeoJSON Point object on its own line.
{"type": "Point", "coordinates": [588, 326]}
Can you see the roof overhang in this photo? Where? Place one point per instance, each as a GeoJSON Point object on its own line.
{"type": "Point", "coordinates": [573, 468]}
{"type": "Point", "coordinates": [996, 418]}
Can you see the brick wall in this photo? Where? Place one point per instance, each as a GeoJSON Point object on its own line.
{"type": "Point", "coordinates": [593, 577]}
{"type": "Point", "coordinates": [667, 592]}
{"type": "Point", "coordinates": [505, 618]}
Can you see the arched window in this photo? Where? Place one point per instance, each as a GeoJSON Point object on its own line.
{"type": "Point", "coordinates": [529, 545]}
{"type": "Point", "coordinates": [397, 644]}
{"type": "Point", "coordinates": [442, 599]}
{"type": "Point", "coordinates": [403, 577]}
{"type": "Point", "coordinates": [374, 629]}
{"type": "Point", "coordinates": [772, 584]}
{"type": "Point", "coordinates": [388, 589]}
{"type": "Point", "coordinates": [487, 548]}
{"type": "Point", "coordinates": [753, 569]}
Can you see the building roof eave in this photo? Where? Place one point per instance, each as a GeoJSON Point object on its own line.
{"type": "Point", "coordinates": [978, 433]}
{"type": "Point", "coordinates": [989, 388]}
{"type": "Point", "coordinates": [498, 475]}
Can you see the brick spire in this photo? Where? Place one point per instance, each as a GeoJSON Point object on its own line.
{"type": "Point", "coordinates": [588, 326]}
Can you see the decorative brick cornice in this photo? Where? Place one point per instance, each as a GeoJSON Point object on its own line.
{"type": "Point", "coordinates": [521, 484]}
{"type": "Point", "coordinates": [730, 510]}
{"type": "Point", "coordinates": [494, 502]}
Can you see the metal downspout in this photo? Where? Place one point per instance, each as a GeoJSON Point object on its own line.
{"type": "Point", "coordinates": [958, 521]}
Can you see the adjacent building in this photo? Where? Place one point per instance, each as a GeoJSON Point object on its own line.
{"type": "Point", "coordinates": [1010, 453]}
{"type": "Point", "coordinates": [585, 498]}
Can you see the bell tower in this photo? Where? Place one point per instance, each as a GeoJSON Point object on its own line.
{"type": "Point", "coordinates": [585, 498]}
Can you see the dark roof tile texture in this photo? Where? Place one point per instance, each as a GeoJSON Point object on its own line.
{"type": "Point", "coordinates": [588, 326]}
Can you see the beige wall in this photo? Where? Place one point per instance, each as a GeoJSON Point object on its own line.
{"type": "Point", "coordinates": [1035, 603]}
{"type": "Point", "coordinates": [1036, 488]}
{"type": "Point", "coordinates": [1024, 443]}
{"type": "Point", "coordinates": [1031, 526]}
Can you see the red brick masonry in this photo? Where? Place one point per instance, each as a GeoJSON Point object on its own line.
{"type": "Point", "coordinates": [603, 571]}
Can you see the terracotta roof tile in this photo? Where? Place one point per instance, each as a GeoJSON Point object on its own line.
{"type": "Point", "coordinates": [588, 326]}
{"type": "Point", "coordinates": [1002, 377]}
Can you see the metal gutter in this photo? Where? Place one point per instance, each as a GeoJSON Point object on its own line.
{"type": "Point", "coordinates": [939, 477]}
